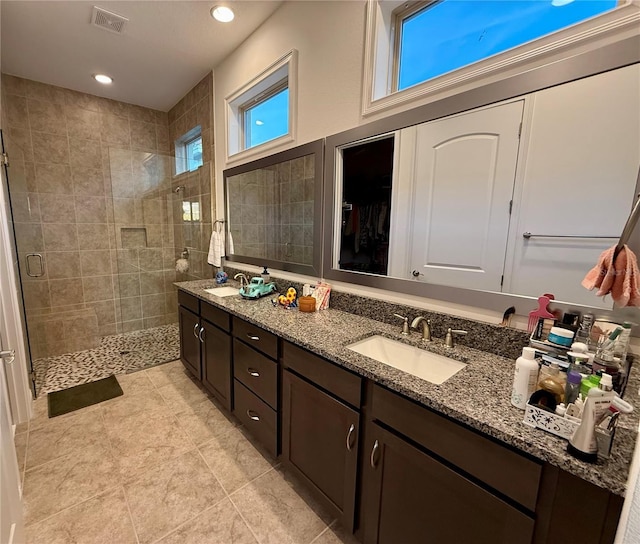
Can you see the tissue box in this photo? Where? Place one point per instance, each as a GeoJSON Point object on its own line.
{"type": "Point", "coordinates": [552, 423]}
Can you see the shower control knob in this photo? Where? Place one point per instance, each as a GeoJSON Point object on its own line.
{"type": "Point", "coordinates": [415, 273]}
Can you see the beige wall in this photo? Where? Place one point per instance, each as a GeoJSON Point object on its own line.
{"type": "Point", "coordinates": [92, 195]}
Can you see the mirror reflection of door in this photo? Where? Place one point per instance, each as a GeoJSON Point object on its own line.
{"type": "Point", "coordinates": [367, 172]}
{"type": "Point", "coordinates": [462, 173]}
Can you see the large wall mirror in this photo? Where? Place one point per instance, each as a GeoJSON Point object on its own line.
{"type": "Point", "coordinates": [494, 196]}
{"type": "Point", "coordinates": [274, 210]}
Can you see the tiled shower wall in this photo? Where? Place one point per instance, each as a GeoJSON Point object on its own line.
{"type": "Point", "coordinates": [272, 211]}
{"type": "Point", "coordinates": [193, 230]}
{"type": "Point", "coordinates": [96, 200]}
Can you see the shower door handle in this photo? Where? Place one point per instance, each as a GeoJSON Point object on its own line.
{"type": "Point", "coordinates": [28, 262]}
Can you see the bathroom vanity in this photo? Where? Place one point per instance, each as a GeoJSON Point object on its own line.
{"type": "Point", "coordinates": [395, 457]}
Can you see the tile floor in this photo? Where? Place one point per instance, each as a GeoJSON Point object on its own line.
{"type": "Point", "coordinates": [162, 463]}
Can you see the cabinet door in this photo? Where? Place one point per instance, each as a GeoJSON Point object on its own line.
{"type": "Point", "coordinates": [320, 443]}
{"type": "Point", "coordinates": [189, 341]}
{"type": "Point", "coordinates": [216, 363]}
{"type": "Point", "coordinates": [412, 498]}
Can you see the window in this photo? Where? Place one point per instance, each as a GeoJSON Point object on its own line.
{"type": "Point", "coordinates": [429, 50]}
{"type": "Point", "coordinates": [440, 37]}
{"type": "Point", "coordinates": [260, 115]}
{"type": "Point", "coordinates": [189, 151]}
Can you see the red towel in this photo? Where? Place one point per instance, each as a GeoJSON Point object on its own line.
{"type": "Point", "coordinates": [620, 278]}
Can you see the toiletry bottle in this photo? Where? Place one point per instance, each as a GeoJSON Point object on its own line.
{"type": "Point", "coordinates": [621, 346]}
{"type": "Point", "coordinates": [583, 443]}
{"type": "Point", "coordinates": [589, 383]}
{"type": "Point", "coordinates": [525, 378]}
{"type": "Point", "coordinates": [572, 389]}
{"type": "Point", "coordinates": [552, 371]}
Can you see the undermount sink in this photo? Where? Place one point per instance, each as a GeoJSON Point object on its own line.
{"type": "Point", "coordinates": [226, 291]}
{"type": "Point", "coordinates": [420, 363]}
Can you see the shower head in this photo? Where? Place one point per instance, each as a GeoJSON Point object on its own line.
{"type": "Point", "coordinates": [178, 189]}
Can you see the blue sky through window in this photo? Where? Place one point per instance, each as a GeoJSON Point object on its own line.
{"type": "Point", "coordinates": [454, 33]}
{"type": "Point", "coordinates": [267, 120]}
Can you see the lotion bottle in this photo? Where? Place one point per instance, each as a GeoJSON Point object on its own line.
{"type": "Point", "coordinates": [525, 378]}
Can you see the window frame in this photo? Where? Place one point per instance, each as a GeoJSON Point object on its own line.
{"type": "Point", "coordinates": [283, 70]}
{"type": "Point", "coordinates": [381, 54]}
{"type": "Point", "coordinates": [263, 97]}
{"type": "Point", "coordinates": [181, 145]}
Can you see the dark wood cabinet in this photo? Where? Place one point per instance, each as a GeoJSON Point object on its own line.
{"type": "Point", "coordinates": [216, 362]}
{"type": "Point", "coordinates": [411, 497]}
{"type": "Point", "coordinates": [190, 344]}
{"type": "Point", "coordinates": [320, 438]}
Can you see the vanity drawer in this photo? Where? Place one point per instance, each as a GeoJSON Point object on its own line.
{"type": "Point", "coordinates": [257, 372]}
{"type": "Point", "coordinates": [258, 418]}
{"type": "Point", "coordinates": [256, 337]}
{"type": "Point", "coordinates": [508, 472]}
{"type": "Point", "coordinates": [340, 382]}
{"type": "Point", "coordinates": [216, 316]}
{"type": "Point", "coordinates": [188, 301]}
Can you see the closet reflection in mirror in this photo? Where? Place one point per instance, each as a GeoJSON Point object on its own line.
{"type": "Point", "coordinates": [366, 205]}
{"type": "Point", "coordinates": [448, 202]}
{"type": "Point", "coordinates": [273, 209]}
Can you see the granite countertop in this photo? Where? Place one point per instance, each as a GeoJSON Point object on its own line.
{"type": "Point", "coordinates": [478, 396]}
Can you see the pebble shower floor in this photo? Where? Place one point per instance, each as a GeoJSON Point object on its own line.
{"type": "Point", "coordinates": [116, 354]}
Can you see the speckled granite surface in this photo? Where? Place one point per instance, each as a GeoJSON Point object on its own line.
{"type": "Point", "coordinates": [478, 395]}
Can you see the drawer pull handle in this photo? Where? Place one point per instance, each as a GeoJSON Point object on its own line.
{"type": "Point", "coordinates": [200, 334]}
{"type": "Point", "coordinates": [252, 415]}
{"type": "Point", "coordinates": [349, 435]}
{"type": "Point", "coordinates": [253, 372]}
{"type": "Point", "coordinates": [253, 337]}
{"type": "Point", "coordinates": [195, 330]}
{"type": "Point", "coordinates": [372, 460]}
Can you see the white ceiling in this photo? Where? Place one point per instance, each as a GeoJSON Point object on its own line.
{"type": "Point", "coordinates": [165, 49]}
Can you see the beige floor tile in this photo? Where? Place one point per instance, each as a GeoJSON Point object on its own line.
{"type": "Point", "coordinates": [277, 513]}
{"type": "Point", "coordinates": [20, 441]}
{"type": "Point", "coordinates": [204, 421]}
{"type": "Point", "coordinates": [102, 520]}
{"type": "Point", "coordinates": [62, 435]}
{"type": "Point", "coordinates": [22, 427]}
{"type": "Point", "coordinates": [40, 415]}
{"type": "Point", "coordinates": [235, 460]}
{"type": "Point", "coordinates": [167, 374]}
{"type": "Point", "coordinates": [128, 406]}
{"type": "Point", "coordinates": [181, 395]}
{"type": "Point", "coordinates": [335, 534]}
{"type": "Point", "coordinates": [143, 440]}
{"type": "Point", "coordinates": [68, 480]}
{"type": "Point", "coordinates": [221, 524]}
{"type": "Point", "coordinates": [170, 494]}
{"type": "Point", "coordinates": [135, 383]}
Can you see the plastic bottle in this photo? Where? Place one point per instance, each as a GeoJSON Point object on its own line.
{"type": "Point", "coordinates": [621, 346]}
{"type": "Point", "coordinates": [525, 378]}
{"type": "Point", "coordinates": [552, 371]}
{"type": "Point", "coordinates": [589, 383]}
{"type": "Point", "coordinates": [572, 389]}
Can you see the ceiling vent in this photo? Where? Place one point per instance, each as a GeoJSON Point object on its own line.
{"type": "Point", "coordinates": [108, 21]}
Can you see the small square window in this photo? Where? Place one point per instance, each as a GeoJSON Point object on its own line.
{"type": "Point", "coordinates": [189, 151]}
{"type": "Point", "coordinates": [262, 113]}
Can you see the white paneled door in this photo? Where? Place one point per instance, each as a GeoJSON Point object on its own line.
{"type": "Point", "coordinates": [464, 172]}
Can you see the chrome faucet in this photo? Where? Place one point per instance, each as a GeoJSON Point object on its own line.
{"type": "Point", "coordinates": [448, 339]}
{"type": "Point", "coordinates": [405, 325]}
{"type": "Point", "coordinates": [244, 282]}
{"type": "Point", "coordinates": [426, 327]}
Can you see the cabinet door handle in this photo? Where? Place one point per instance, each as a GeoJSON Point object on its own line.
{"type": "Point", "coordinates": [252, 415]}
{"type": "Point", "coordinates": [372, 459]}
{"type": "Point", "coordinates": [252, 337]}
{"type": "Point", "coordinates": [253, 372]}
{"type": "Point", "coordinates": [349, 435]}
{"type": "Point", "coordinates": [195, 330]}
{"type": "Point", "coordinates": [200, 334]}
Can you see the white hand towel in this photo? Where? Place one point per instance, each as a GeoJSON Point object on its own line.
{"type": "Point", "coordinates": [214, 257]}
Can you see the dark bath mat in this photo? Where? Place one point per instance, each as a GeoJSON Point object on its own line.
{"type": "Point", "coordinates": [81, 396]}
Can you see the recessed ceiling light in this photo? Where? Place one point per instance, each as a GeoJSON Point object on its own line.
{"type": "Point", "coordinates": [222, 14]}
{"type": "Point", "coordinates": [558, 3]}
{"type": "Point", "coordinates": [101, 78]}
{"type": "Point", "coordinates": [259, 123]}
